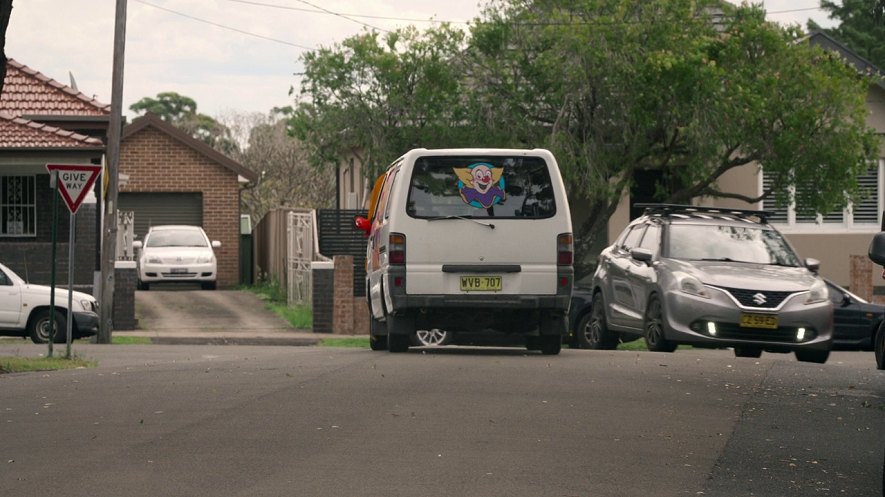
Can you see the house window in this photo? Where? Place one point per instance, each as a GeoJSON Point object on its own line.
{"type": "Point", "coordinates": [862, 215]}
{"type": "Point", "coordinates": [18, 206]}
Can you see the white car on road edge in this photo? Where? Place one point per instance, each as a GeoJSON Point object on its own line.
{"type": "Point", "coordinates": [24, 310]}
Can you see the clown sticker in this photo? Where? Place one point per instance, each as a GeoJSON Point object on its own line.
{"type": "Point", "coordinates": [481, 185]}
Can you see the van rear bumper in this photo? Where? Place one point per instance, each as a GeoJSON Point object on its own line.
{"type": "Point", "coordinates": [553, 302]}
{"type": "Point", "coordinates": [521, 314]}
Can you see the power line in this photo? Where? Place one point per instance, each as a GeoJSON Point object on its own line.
{"type": "Point", "coordinates": [365, 16]}
{"type": "Point", "coordinates": [343, 16]}
{"type": "Point", "coordinates": [321, 10]}
{"type": "Point", "coordinates": [241, 31]}
{"type": "Point", "coordinates": [348, 16]}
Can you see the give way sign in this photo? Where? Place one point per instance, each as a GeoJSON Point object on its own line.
{"type": "Point", "coordinates": [74, 182]}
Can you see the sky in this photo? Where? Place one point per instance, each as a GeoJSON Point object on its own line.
{"type": "Point", "coordinates": [230, 56]}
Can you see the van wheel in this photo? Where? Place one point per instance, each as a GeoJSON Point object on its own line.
{"type": "Point", "coordinates": [40, 327]}
{"type": "Point", "coordinates": [816, 356]}
{"type": "Point", "coordinates": [399, 332]}
{"type": "Point", "coordinates": [377, 329]}
{"type": "Point", "coordinates": [378, 342]}
{"type": "Point", "coordinates": [654, 327]}
{"type": "Point", "coordinates": [533, 342]}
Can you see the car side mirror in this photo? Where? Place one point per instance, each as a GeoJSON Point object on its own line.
{"type": "Point", "coordinates": [813, 265]}
{"type": "Point", "coordinates": [216, 244]}
{"type": "Point", "coordinates": [877, 249]}
{"type": "Point", "coordinates": [137, 244]}
{"type": "Point", "coordinates": [362, 224]}
{"type": "Point", "coordinates": [642, 255]}
{"type": "Point", "coordinates": [846, 299]}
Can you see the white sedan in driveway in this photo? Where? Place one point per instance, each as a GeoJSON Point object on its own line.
{"type": "Point", "coordinates": [176, 254]}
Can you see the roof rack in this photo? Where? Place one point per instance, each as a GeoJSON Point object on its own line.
{"type": "Point", "coordinates": [668, 209]}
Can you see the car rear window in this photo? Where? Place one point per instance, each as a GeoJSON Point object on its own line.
{"type": "Point", "coordinates": [481, 187]}
{"type": "Point", "coordinates": [729, 243]}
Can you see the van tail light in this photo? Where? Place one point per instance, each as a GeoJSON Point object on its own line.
{"type": "Point", "coordinates": [565, 249]}
{"type": "Point", "coordinates": [396, 248]}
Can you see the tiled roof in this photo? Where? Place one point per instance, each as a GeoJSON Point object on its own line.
{"type": "Point", "coordinates": [149, 119]}
{"type": "Point", "coordinates": [27, 92]}
{"type": "Point", "coordinates": [18, 133]}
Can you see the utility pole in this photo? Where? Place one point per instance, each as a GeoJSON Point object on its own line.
{"type": "Point", "coordinates": [109, 231]}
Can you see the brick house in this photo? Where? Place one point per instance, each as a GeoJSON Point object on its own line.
{"type": "Point", "coordinates": [43, 121]}
{"type": "Point", "coordinates": [176, 179]}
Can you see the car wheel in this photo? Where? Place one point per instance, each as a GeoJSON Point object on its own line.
{"type": "Point", "coordinates": [431, 338]}
{"type": "Point", "coordinates": [209, 285]}
{"type": "Point", "coordinates": [879, 348]}
{"type": "Point", "coordinates": [816, 356]}
{"type": "Point", "coordinates": [592, 330]}
{"type": "Point", "coordinates": [140, 285]}
{"type": "Point", "coordinates": [654, 328]}
{"type": "Point", "coordinates": [40, 327]}
{"type": "Point", "coordinates": [747, 352]}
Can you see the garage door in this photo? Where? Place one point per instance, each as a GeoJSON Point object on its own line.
{"type": "Point", "coordinates": [155, 209]}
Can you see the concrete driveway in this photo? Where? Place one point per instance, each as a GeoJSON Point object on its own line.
{"type": "Point", "coordinates": [186, 315]}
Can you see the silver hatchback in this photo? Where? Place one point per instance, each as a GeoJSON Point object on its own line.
{"type": "Point", "coordinates": [709, 277]}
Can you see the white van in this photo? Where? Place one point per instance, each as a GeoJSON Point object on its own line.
{"type": "Point", "coordinates": [469, 240]}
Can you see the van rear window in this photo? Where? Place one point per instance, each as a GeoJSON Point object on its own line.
{"type": "Point", "coordinates": [481, 187]}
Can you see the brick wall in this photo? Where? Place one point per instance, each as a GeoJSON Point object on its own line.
{"type": "Point", "coordinates": [861, 273]}
{"type": "Point", "coordinates": [335, 308]}
{"type": "Point", "coordinates": [30, 258]}
{"type": "Point", "coordinates": [157, 162]}
{"type": "Point", "coordinates": [322, 291]}
{"type": "Point", "coordinates": [125, 277]}
{"type": "Point", "coordinates": [342, 304]}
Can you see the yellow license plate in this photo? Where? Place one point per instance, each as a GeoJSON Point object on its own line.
{"type": "Point", "coordinates": [767, 321]}
{"type": "Point", "coordinates": [481, 283]}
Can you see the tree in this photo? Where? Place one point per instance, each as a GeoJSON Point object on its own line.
{"type": "Point", "coordinates": [181, 111]}
{"type": "Point", "coordinates": [620, 87]}
{"type": "Point", "coordinates": [861, 28]}
{"type": "Point", "coordinates": [285, 177]}
{"type": "Point", "coordinates": [683, 90]}
{"type": "Point", "coordinates": [377, 98]}
{"type": "Point", "coordinates": [5, 14]}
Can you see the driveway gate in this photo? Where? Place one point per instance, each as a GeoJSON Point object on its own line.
{"type": "Point", "coordinates": [300, 254]}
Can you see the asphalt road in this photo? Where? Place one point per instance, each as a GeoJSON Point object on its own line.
{"type": "Point", "coordinates": [307, 421]}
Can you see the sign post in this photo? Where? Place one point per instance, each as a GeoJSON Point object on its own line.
{"type": "Point", "coordinates": [73, 181]}
{"type": "Point", "coordinates": [53, 185]}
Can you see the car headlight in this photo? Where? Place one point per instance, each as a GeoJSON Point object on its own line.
{"type": "Point", "coordinates": [204, 259]}
{"type": "Point", "coordinates": [154, 260]}
{"type": "Point", "coordinates": [86, 305]}
{"type": "Point", "coordinates": [691, 285]}
{"type": "Point", "coordinates": [817, 293]}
